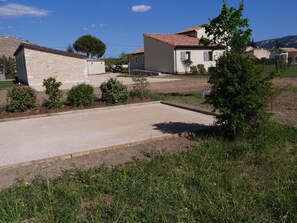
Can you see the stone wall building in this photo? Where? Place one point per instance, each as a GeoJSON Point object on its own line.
{"type": "Point", "coordinates": [36, 63]}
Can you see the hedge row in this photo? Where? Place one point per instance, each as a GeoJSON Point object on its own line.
{"type": "Point", "coordinates": [22, 98]}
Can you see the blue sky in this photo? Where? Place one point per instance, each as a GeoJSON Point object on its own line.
{"type": "Point", "coordinates": [120, 24]}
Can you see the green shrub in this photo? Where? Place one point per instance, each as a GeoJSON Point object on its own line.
{"type": "Point", "coordinates": [201, 69]}
{"type": "Point", "coordinates": [241, 92]}
{"type": "Point", "coordinates": [20, 99]}
{"type": "Point", "coordinates": [187, 64]}
{"type": "Point", "coordinates": [140, 87]}
{"type": "Point", "coordinates": [54, 93]}
{"type": "Point", "coordinates": [81, 95]}
{"type": "Point", "coordinates": [193, 70]}
{"type": "Point", "coordinates": [113, 91]}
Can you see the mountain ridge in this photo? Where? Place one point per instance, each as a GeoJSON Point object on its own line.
{"type": "Point", "coordinates": [286, 41]}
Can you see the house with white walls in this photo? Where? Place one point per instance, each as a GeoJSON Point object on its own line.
{"type": "Point", "coordinates": [165, 53]}
{"type": "Point", "coordinates": [258, 53]}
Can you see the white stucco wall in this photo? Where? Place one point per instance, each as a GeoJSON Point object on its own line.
{"type": "Point", "coordinates": [95, 67]}
{"type": "Point", "coordinates": [260, 53]}
{"type": "Point", "coordinates": [197, 57]}
{"type": "Point", "coordinates": [159, 57]}
{"type": "Point", "coordinates": [42, 65]}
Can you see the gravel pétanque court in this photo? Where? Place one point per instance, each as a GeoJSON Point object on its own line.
{"type": "Point", "coordinates": [23, 141]}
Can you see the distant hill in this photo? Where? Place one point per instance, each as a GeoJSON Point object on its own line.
{"type": "Point", "coordinates": [287, 41]}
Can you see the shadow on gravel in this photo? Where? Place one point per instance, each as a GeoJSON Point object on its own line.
{"type": "Point", "coordinates": [178, 127]}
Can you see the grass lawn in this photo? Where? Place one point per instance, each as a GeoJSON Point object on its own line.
{"type": "Point", "coordinates": [217, 181]}
{"type": "Point", "coordinates": [192, 98]}
{"type": "Point", "coordinates": [291, 71]}
{"type": "Point", "coordinates": [6, 84]}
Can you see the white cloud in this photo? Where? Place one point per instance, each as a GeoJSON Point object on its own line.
{"type": "Point", "coordinates": [141, 8]}
{"type": "Point", "coordinates": [102, 25]}
{"type": "Point", "coordinates": [16, 10]}
{"type": "Point", "coordinates": [98, 25]}
{"type": "Point", "coordinates": [36, 21]}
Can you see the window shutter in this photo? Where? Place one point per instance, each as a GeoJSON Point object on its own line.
{"type": "Point", "coordinates": [206, 56]}
{"type": "Point", "coordinates": [182, 56]}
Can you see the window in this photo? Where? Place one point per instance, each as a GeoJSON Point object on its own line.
{"type": "Point", "coordinates": [136, 60]}
{"type": "Point", "coordinates": [208, 56]}
{"type": "Point", "coordinates": [185, 55]}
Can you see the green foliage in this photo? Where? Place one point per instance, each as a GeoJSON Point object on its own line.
{"type": "Point", "coordinates": [215, 181]}
{"type": "Point", "coordinates": [55, 95]}
{"type": "Point", "coordinates": [70, 49]}
{"type": "Point", "coordinates": [90, 45]}
{"type": "Point", "coordinates": [20, 99]}
{"type": "Point", "coordinates": [140, 87]}
{"type": "Point", "coordinates": [187, 64]}
{"type": "Point", "coordinates": [241, 92]}
{"type": "Point", "coordinates": [81, 95]}
{"type": "Point", "coordinates": [193, 70]}
{"type": "Point", "coordinates": [124, 58]}
{"type": "Point", "coordinates": [229, 29]}
{"type": "Point", "coordinates": [114, 91]}
{"type": "Point", "coordinates": [280, 63]}
{"type": "Point", "coordinates": [8, 65]}
{"type": "Point", "coordinates": [201, 69]}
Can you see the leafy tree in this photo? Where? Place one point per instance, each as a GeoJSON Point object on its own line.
{"type": "Point", "coordinates": [8, 65]}
{"type": "Point", "coordinates": [124, 58]}
{"type": "Point", "coordinates": [90, 45]}
{"type": "Point", "coordinates": [240, 90]}
{"type": "Point", "coordinates": [187, 64]}
{"type": "Point", "coordinates": [70, 49]}
{"type": "Point", "coordinates": [229, 29]}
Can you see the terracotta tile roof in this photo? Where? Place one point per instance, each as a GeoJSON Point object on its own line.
{"type": "Point", "coordinates": [190, 29]}
{"type": "Point", "coordinates": [175, 40]}
{"type": "Point", "coordinates": [289, 50]}
{"type": "Point", "coordinates": [140, 51]}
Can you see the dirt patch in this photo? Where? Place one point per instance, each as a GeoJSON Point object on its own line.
{"type": "Point", "coordinates": [108, 158]}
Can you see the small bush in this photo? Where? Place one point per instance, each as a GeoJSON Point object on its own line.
{"type": "Point", "coordinates": [81, 95]}
{"type": "Point", "coordinates": [140, 87]}
{"type": "Point", "coordinates": [201, 69]}
{"type": "Point", "coordinates": [54, 93]}
{"type": "Point", "coordinates": [113, 91]}
{"type": "Point", "coordinates": [20, 99]}
{"type": "Point", "coordinates": [193, 70]}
